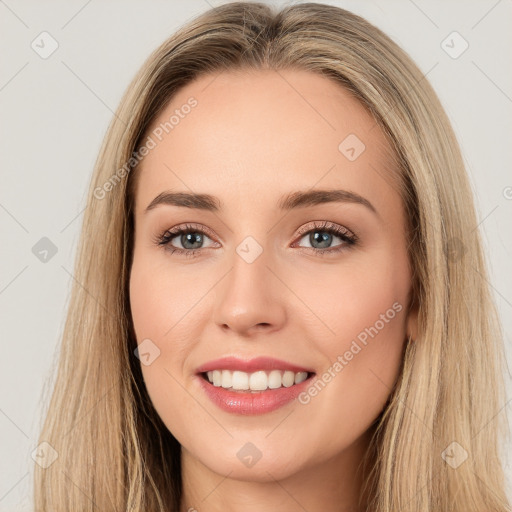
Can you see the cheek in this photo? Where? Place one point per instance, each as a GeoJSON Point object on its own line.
{"type": "Point", "coordinates": [166, 309]}
{"type": "Point", "coordinates": [362, 333]}
{"type": "Point", "coordinates": [159, 302]}
{"type": "Point", "coordinates": [161, 299]}
{"type": "Point", "coordinates": [344, 302]}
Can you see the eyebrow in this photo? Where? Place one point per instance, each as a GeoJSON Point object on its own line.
{"type": "Point", "coordinates": [293, 200]}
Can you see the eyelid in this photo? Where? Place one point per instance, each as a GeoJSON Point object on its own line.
{"type": "Point", "coordinates": [190, 226]}
{"type": "Point", "coordinates": [181, 228]}
{"type": "Point", "coordinates": [327, 225]}
{"type": "Point", "coordinates": [301, 231]}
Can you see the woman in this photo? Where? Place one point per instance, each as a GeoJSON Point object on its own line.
{"type": "Point", "coordinates": [360, 371]}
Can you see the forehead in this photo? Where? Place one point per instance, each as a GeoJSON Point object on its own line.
{"type": "Point", "coordinates": [261, 134]}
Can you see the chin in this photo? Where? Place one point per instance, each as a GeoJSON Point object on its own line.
{"type": "Point", "coordinates": [247, 461]}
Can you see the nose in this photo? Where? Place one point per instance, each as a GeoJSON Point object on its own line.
{"type": "Point", "coordinates": [251, 299]}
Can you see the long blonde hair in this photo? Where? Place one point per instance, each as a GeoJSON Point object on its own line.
{"type": "Point", "coordinates": [114, 452]}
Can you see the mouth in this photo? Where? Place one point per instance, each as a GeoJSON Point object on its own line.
{"type": "Point", "coordinates": [253, 393]}
{"type": "Point", "coordinates": [254, 382]}
{"type": "Point", "coordinates": [254, 386]}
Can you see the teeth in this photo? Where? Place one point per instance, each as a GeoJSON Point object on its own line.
{"type": "Point", "coordinates": [217, 378]}
{"type": "Point", "coordinates": [226, 379]}
{"type": "Point", "coordinates": [257, 381]}
{"type": "Point", "coordinates": [288, 379]}
{"type": "Point", "coordinates": [240, 380]}
{"type": "Point", "coordinates": [274, 379]}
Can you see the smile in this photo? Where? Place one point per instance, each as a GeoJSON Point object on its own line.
{"type": "Point", "coordinates": [256, 381]}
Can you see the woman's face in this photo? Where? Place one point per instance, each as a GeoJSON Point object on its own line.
{"type": "Point", "coordinates": [316, 283]}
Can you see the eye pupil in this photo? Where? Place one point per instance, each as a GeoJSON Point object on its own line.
{"type": "Point", "coordinates": [193, 238]}
{"type": "Point", "coordinates": [326, 237]}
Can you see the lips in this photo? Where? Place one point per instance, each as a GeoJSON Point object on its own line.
{"type": "Point", "coordinates": [250, 366]}
{"type": "Point", "coordinates": [246, 401]}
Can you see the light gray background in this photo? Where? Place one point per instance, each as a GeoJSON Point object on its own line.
{"type": "Point", "coordinates": [54, 113]}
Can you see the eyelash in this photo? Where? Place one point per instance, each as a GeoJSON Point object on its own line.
{"type": "Point", "coordinates": [347, 236]}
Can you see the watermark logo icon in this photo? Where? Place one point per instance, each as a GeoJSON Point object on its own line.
{"type": "Point", "coordinates": [249, 249]}
{"type": "Point", "coordinates": [44, 455]}
{"type": "Point", "coordinates": [44, 45]}
{"type": "Point", "coordinates": [454, 45]}
{"type": "Point", "coordinates": [455, 250]}
{"type": "Point", "coordinates": [454, 455]}
{"type": "Point", "coordinates": [147, 352]}
{"type": "Point", "coordinates": [351, 147]}
{"type": "Point", "coordinates": [249, 454]}
{"type": "Point", "coordinates": [44, 250]}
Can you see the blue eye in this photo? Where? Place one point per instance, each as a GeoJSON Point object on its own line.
{"type": "Point", "coordinates": [192, 237]}
{"type": "Point", "coordinates": [188, 235]}
{"type": "Point", "coordinates": [323, 233]}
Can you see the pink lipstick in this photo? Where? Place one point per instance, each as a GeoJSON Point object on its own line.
{"type": "Point", "coordinates": [255, 386]}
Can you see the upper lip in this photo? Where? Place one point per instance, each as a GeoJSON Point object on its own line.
{"type": "Point", "coordinates": [250, 365]}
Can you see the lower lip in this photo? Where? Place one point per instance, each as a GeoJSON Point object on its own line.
{"type": "Point", "coordinates": [249, 403]}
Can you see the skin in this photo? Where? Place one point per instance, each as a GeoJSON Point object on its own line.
{"type": "Point", "coordinates": [251, 139]}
